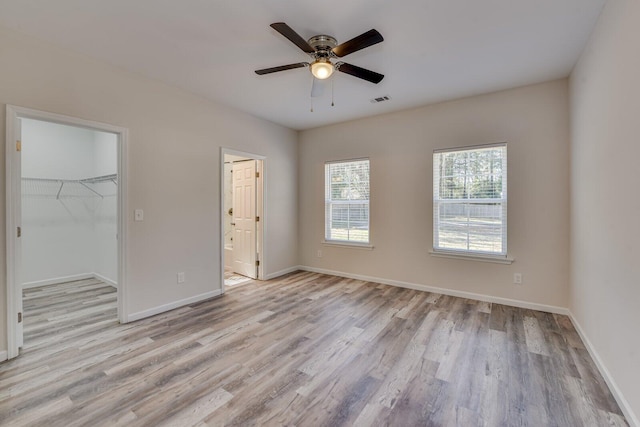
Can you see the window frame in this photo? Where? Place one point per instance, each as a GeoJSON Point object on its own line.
{"type": "Point", "coordinates": [328, 202]}
{"type": "Point", "coordinates": [476, 255]}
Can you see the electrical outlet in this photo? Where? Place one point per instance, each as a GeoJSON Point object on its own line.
{"type": "Point", "coordinates": [517, 278]}
{"type": "Point", "coordinates": [181, 277]}
{"type": "Point", "coordinates": [319, 253]}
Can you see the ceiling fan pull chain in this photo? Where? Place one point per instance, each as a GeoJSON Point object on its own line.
{"type": "Point", "coordinates": [313, 80]}
{"type": "Point", "coordinates": [332, 104]}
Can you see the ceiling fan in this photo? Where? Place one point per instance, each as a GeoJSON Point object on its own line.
{"type": "Point", "coordinates": [323, 48]}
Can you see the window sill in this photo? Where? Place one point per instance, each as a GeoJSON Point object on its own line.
{"type": "Point", "coordinates": [472, 257]}
{"type": "Point", "coordinates": [351, 245]}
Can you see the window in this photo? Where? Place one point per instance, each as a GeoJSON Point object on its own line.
{"type": "Point", "coordinates": [470, 200]}
{"type": "Point", "coordinates": [346, 204]}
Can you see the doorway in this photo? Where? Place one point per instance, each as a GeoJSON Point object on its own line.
{"type": "Point", "coordinates": [65, 204]}
{"type": "Point", "coordinates": [242, 217]}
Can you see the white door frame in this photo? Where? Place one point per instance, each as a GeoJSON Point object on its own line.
{"type": "Point", "coordinates": [261, 209]}
{"type": "Point", "coordinates": [13, 200]}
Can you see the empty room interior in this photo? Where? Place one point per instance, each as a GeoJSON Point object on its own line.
{"type": "Point", "coordinates": [284, 213]}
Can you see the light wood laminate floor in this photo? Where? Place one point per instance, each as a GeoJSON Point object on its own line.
{"type": "Point", "coordinates": [305, 349]}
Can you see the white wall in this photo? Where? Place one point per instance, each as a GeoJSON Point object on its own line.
{"type": "Point", "coordinates": [105, 153]}
{"type": "Point", "coordinates": [105, 216]}
{"type": "Point", "coordinates": [53, 150]}
{"type": "Point", "coordinates": [174, 148]}
{"type": "Point", "coordinates": [59, 233]}
{"type": "Point", "coordinates": [533, 121]}
{"type": "Point", "coordinates": [605, 226]}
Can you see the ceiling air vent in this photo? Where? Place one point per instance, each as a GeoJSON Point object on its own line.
{"type": "Point", "coordinates": [380, 99]}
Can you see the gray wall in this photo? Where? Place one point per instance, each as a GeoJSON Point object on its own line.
{"type": "Point", "coordinates": [174, 166]}
{"type": "Point", "coordinates": [605, 226]}
{"type": "Point", "coordinates": [534, 122]}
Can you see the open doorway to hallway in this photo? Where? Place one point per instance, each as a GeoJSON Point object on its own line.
{"type": "Point", "coordinates": [242, 213]}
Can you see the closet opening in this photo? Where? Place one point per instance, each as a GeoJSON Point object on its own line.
{"type": "Point", "coordinates": [65, 200]}
{"type": "Point", "coordinates": [242, 217]}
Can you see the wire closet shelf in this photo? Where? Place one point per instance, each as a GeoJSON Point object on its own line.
{"type": "Point", "coordinates": [51, 188]}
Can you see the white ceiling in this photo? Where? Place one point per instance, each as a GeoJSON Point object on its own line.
{"type": "Point", "coordinates": [433, 50]}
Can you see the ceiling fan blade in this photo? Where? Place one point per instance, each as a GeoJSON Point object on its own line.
{"type": "Point", "coordinates": [362, 73]}
{"type": "Point", "coordinates": [281, 68]}
{"type": "Point", "coordinates": [317, 88]}
{"type": "Point", "coordinates": [294, 37]}
{"type": "Point", "coordinates": [364, 40]}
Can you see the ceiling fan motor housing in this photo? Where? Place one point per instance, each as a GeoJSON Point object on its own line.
{"type": "Point", "coordinates": [322, 45]}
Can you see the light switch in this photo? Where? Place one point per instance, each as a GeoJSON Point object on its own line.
{"type": "Point", "coordinates": [138, 215]}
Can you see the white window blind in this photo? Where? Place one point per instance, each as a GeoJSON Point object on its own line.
{"type": "Point", "coordinates": [470, 200]}
{"type": "Point", "coordinates": [347, 201]}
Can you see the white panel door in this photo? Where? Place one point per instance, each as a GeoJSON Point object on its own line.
{"type": "Point", "coordinates": [244, 218]}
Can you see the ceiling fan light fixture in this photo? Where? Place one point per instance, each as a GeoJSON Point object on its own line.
{"type": "Point", "coordinates": [322, 68]}
{"type": "Point", "coordinates": [321, 48]}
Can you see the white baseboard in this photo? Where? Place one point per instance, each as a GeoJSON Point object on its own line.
{"type": "Point", "coordinates": [106, 280]}
{"type": "Point", "coordinates": [444, 291]}
{"type": "Point", "coordinates": [71, 278]}
{"type": "Point", "coordinates": [57, 280]}
{"type": "Point", "coordinates": [282, 272]}
{"type": "Point", "coordinates": [4, 355]}
{"type": "Point", "coordinates": [631, 417]}
{"type": "Point", "coordinates": [172, 305]}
